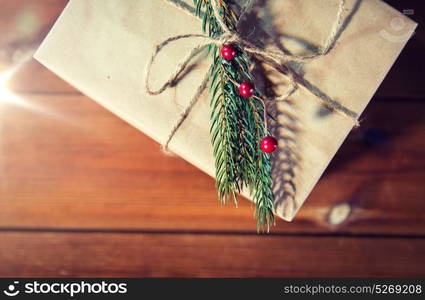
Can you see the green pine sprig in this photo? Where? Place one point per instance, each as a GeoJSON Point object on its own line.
{"type": "Point", "coordinates": [237, 124]}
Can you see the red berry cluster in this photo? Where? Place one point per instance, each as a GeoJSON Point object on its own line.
{"type": "Point", "coordinates": [246, 90]}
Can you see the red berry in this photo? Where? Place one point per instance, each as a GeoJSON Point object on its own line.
{"type": "Point", "coordinates": [268, 144]}
{"type": "Point", "coordinates": [246, 89]}
{"type": "Point", "coordinates": [228, 52]}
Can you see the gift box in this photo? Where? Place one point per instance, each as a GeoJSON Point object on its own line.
{"type": "Point", "coordinates": [102, 48]}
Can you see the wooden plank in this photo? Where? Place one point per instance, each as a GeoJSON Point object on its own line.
{"type": "Point", "coordinates": [66, 162]}
{"type": "Point", "coordinates": [23, 25]}
{"type": "Point", "coordinates": [27, 19]}
{"type": "Point", "coordinates": [198, 255]}
{"type": "Point", "coordinates": [46, 82]}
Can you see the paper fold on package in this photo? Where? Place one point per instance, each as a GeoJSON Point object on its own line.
{"type": "Point", "coordinates": [102, 47]}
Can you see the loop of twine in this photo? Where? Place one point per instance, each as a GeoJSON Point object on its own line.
{"type": "Point", "coordinates": [273, 57]}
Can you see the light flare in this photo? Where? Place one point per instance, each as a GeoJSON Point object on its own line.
{"type": "Point", "coordinates": [8, 97]}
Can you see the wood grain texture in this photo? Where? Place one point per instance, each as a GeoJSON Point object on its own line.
{"type": "Point", "coordinates": [23, 25]}
{"type": "Point", "coordinates": [187, 255]}
{"type": "Point", "coordinates": [66, 162]}
{"type": "Point", "coordinates": [84, 194]}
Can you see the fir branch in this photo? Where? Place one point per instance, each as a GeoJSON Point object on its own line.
{"type": "Point", "coordinates": [237, 124]}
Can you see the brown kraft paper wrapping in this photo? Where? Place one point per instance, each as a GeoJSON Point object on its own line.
{"type": "Point", "coordinates": [102, 47]}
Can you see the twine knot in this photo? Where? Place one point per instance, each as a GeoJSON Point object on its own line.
{"type": "Point", "coordinates": [273, 57]}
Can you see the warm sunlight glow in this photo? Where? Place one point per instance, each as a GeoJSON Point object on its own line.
{"type": "Point", "coordinates": [5, 94]}
{"type": "Point", "coordinates": [25, 101]}
{"type": "Point", "coordinates": [8, 97]}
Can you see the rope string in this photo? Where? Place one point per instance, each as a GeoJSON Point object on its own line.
{"type": "Point", "coordinates": [276, 58]}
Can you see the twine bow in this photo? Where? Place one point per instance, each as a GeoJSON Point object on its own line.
{"type": "Point", "coordinates": [273, 57]}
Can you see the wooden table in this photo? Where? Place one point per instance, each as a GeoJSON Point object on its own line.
{"type": "Point", "coordinates": [82, 193]}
